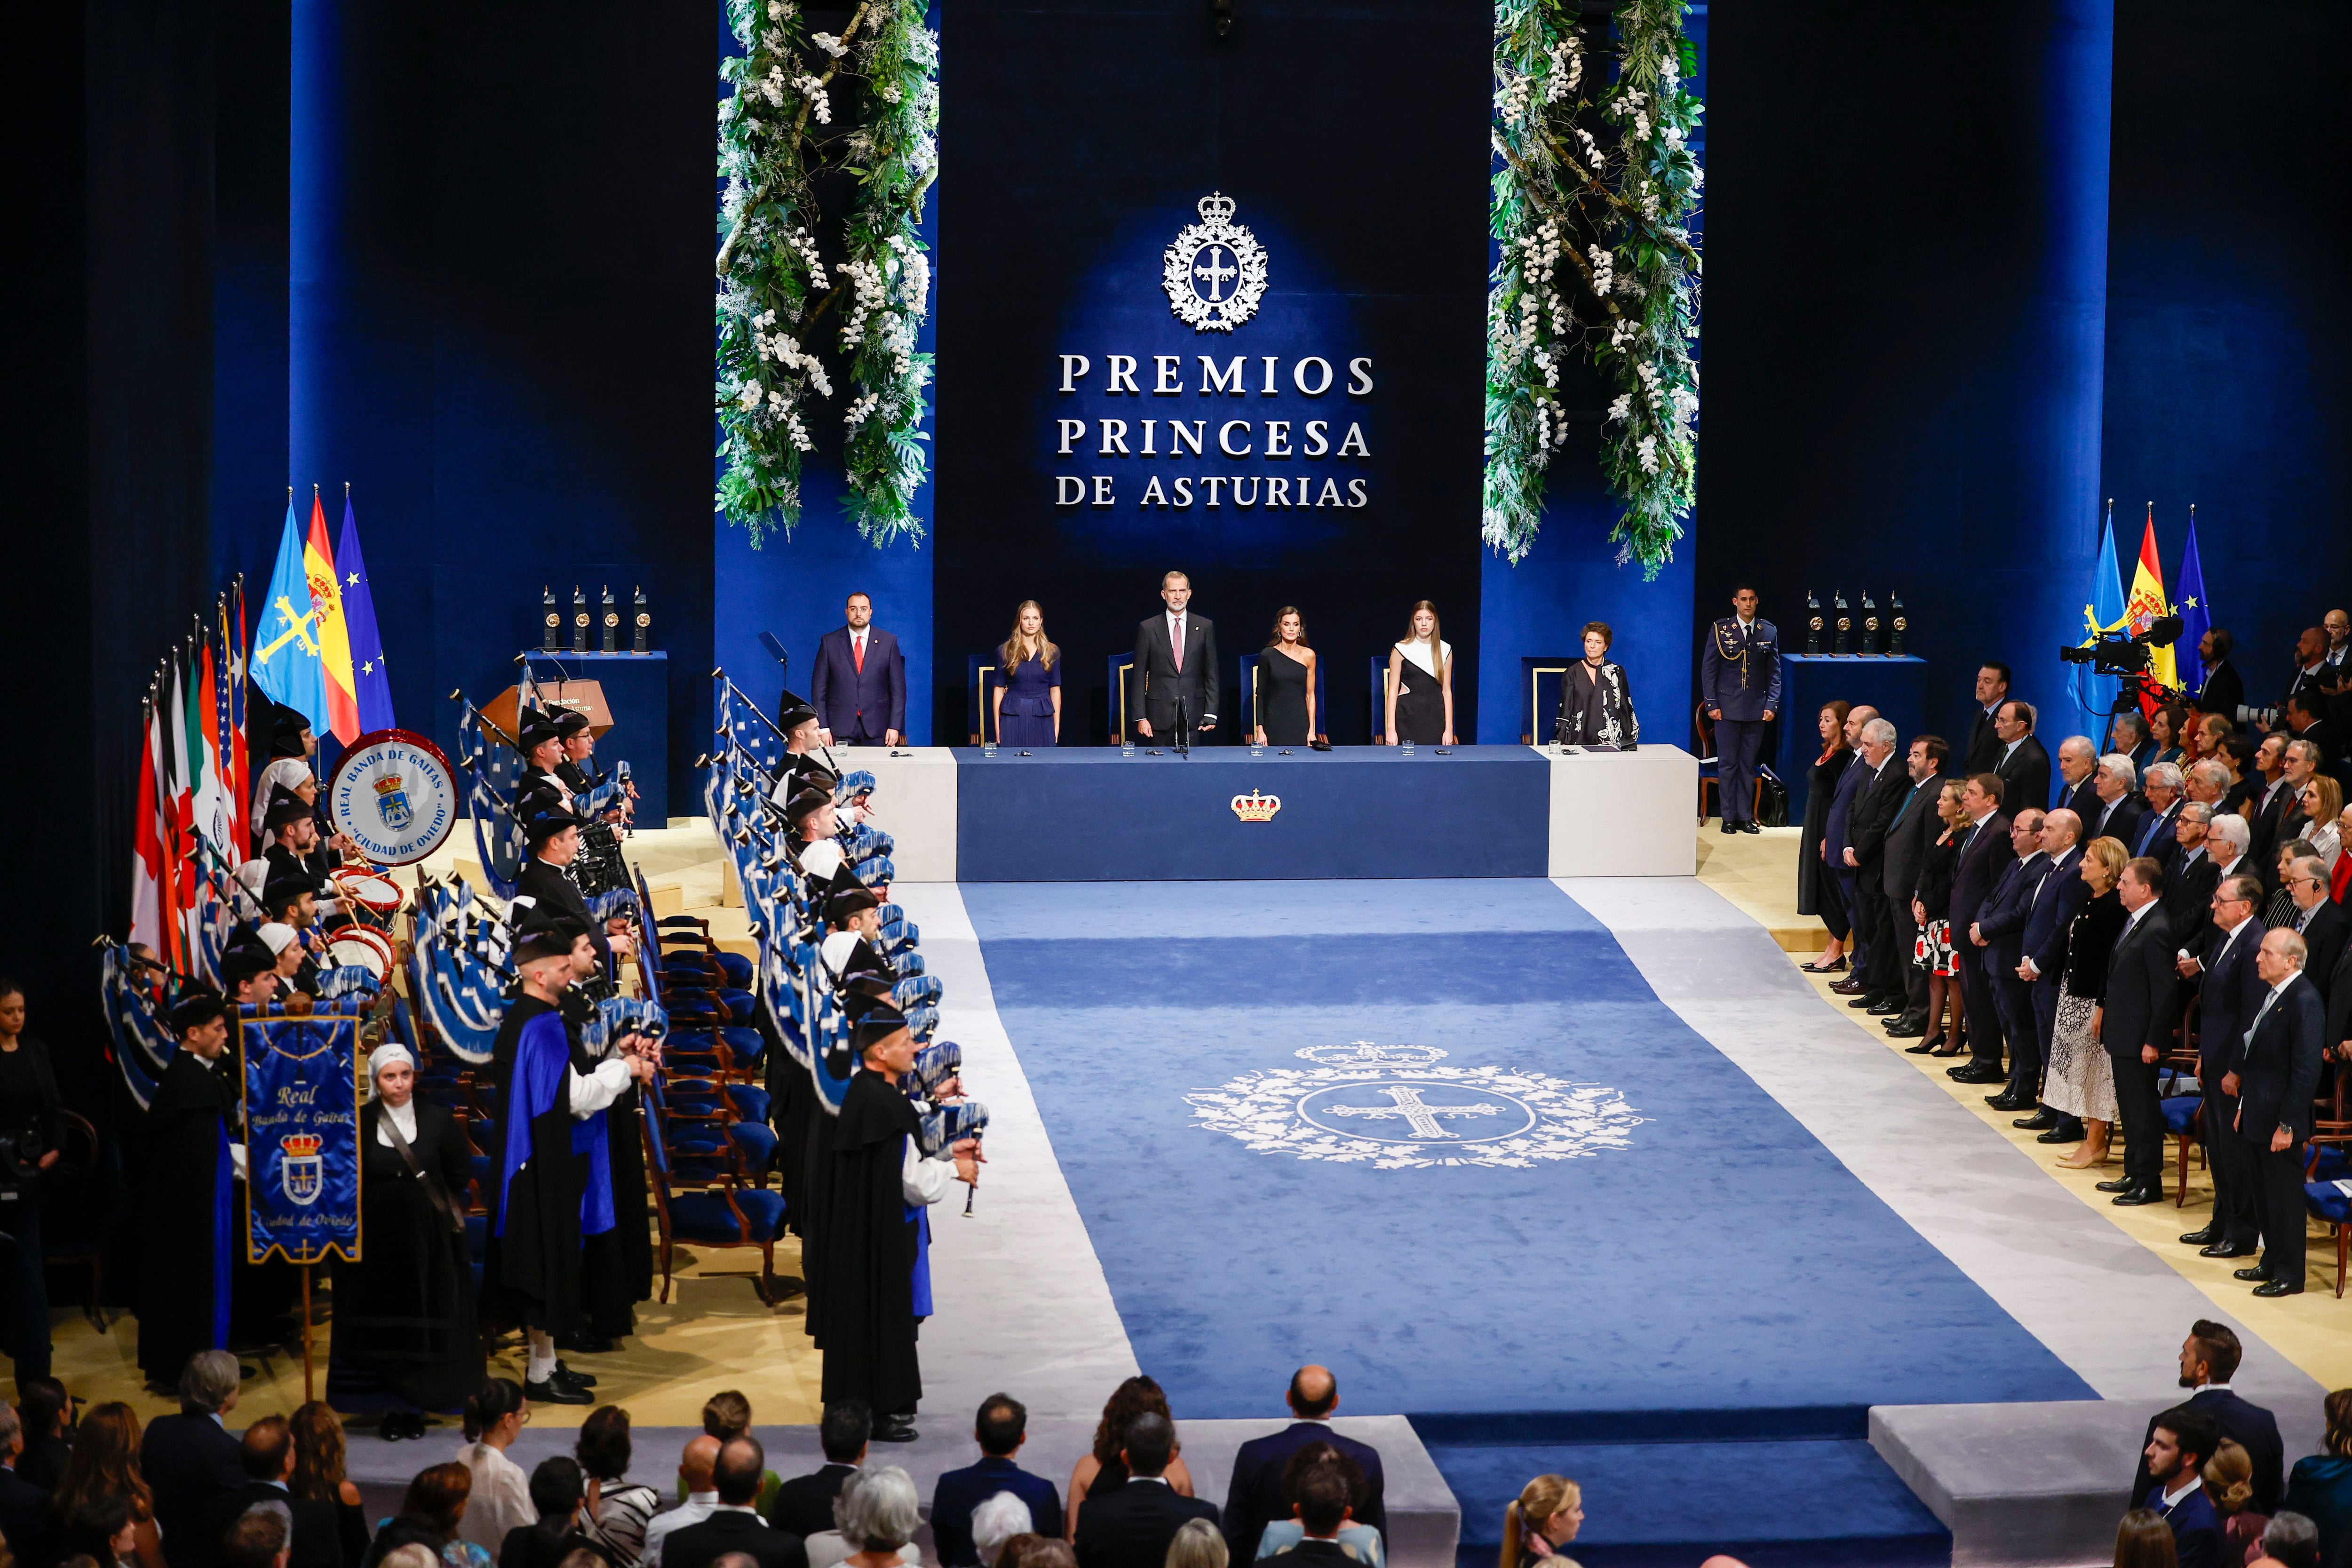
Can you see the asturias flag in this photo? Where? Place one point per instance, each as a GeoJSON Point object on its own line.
{"type": "Point", "coordinates": [2093, 694]}
{"type": "Point", "coordinates": [2196, 620]}
{"type": "Point", "coordinates": [334, 638]}
{"type": "Point", "coordinates": [2146, 606]}
{"type": "Point", "coordinates": [372, 684]}
{"type": "Point", "coordinates": [285, 662]}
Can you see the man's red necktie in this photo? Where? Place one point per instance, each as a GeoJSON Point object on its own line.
{"type": "Point", "coordinates": [857, 653]}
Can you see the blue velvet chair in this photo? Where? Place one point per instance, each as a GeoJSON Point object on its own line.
{"type": "Point", "coordinates": [1121, 666]}
{"type": "Point", "coordinates": [1542, 679]}
{"type": "Point", "coordinates": [727, 1215]}
{"type": "Point", "coordinates": [1380, 665]}
{"type": "Point", "coordinates": [982, 677]}
{"type": "Point", "coordinates": [1248, 687]}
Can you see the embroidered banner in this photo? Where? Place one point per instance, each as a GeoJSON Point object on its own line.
{"type": "Point", "coordinates": [301, 1120]}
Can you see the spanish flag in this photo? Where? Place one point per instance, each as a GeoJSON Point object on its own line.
{"type": "Point", "coordinates": [2143, 608]}
{"type": "Point", "coordinates": [334, 640]}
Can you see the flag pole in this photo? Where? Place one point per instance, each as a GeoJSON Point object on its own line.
{"type": "Point", "coordinates": [309, 1392]}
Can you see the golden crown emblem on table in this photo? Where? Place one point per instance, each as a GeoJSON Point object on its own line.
{"type": "Point", "coordinates": [1257, 807]}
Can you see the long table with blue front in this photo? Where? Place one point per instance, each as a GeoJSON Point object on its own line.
{"type": "Point", "coordinates": [1090, 814]}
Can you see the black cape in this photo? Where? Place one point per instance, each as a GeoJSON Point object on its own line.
{"type": "Point", "coordinates": [189, 1256]}
{"type": "Point", "coordinates": [864, 1292]}
{"type": "Point", "coordinates": [403, 1326]}
{"type": "Point", "coordinates": [531, 1267]}
{"type": "Point", "coordinates": [558, 893]}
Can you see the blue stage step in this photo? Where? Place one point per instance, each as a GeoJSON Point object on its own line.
{"type": "Point", "coordinates": [1776, 1488]}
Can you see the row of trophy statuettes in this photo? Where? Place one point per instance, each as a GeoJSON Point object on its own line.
{"type": "Point", "coordinates": [1843, 624]}
{"type": "Point", "coordinates": [550, 621]}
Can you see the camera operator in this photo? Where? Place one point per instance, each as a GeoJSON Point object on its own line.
{"type": "Point", "coordinates": [32, 1129]}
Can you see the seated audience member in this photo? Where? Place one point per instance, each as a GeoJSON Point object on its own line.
{"type": "Point", "coordinates": [2176, 1455]}
{"type": "Point", "coordinates": [2129, 736]}
{"type": "Point", "coordinates": [2290, 1541]}
{"type": "Point", "coordinates": [2210, 1355]}
{"type": "Point", "coordinates": [1197, 1544]}
{"type": "Point", "coordinates": [2281, 911]}
{"type": "Point", "coordinates": [1542, 1519]}
{"type": "Point", "coordinates": [2323, 802]}
{"type": "Point", "coordinates": [804, 1505]}
{"type": "Point", "coordinates": [726, 1414]}
{"type": "Point", "coordinates": [320, 1474]}
{"type": "Point", "coordinates": [616, 1525]}
{"type": "Point", "coordinates": [878, 1519]}
{"type": "Point", "coordinates": [696, 1474]}
{"type": "Point", "coordinates": [101, 1530]}
{"type": "Point", "coordinates": [259, 1539]}
{"type": "Point", "coordinates": [1131, 1527]}
{"type": "Point", "coordinates": [23, 1507]}
{"type": "Point", "coordinates": [1360, 1541]}
{"type": "Point", "coordinates": [189, 1457]}
{"type": "Point", "coordinates": [1000, 1429]}
{"type": "Point", "coordinates": [1255, 1496]}
{"type": "Point", "coordinates": [43, 1405]}
{"type": "Point", "coordinates": [2228, 1484]}
{"type": "Point", "coordinates": [433, 1514]}
{"type": "Point", "coordinates": [1055, 1553]}
{"type": "Point", "coordinates": [105, 1464]}
{"type": "Point", "coordinates": [2167, 727]}
{"type": "Point", "coordinates": [2320, 1490]}
{"type": "Point", "coordinates": [2144, 1540]}
{"type": "Point", "coordinates": [558, 1489]}
{"type": "Point", "coordinates": [1139, 1395]}
{"type": "Point", "coordinates": [831, 1548]}
{"type": "Point", "coordinates": [501, 1493]}
{"type": "Point", "coordinates": [996, 1520]}
{"type": "Point", "coordinates": [1322, 1506]}
{"type": "Point", "coordinates": [266, 1455]}
{"type": "Point", "coordinates": [735, 1525]}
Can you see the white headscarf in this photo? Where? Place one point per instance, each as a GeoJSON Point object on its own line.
{"type": "Point", "coordinates": [276, 934]}
{"type": "Point", "coordinates": [291, 771]}
{"type": "Point", "coordinates": [389, 1055]}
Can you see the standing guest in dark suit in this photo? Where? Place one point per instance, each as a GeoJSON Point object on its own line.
{"type": "Point", "coordinates": [1995, 942]}
{"type": "Point", "coordinates": [1175, 662]}
{"type": "Point", "coordinates": [2116, 811]}
{"type": "Point", "coordinates": [1739, 682]}
{"type": "Point", "coordinates": [1819, 890]}
{"type": "Point", "coordinates": [2024, 766]}
{"type": "Point", "coordinates": [266, 1455]}
{"type": "Point", "coordinates": [2078, 768]}
{"type": "Point", "coordinates": [2269, 798]}
{"type": "Point", "coordinates": [1992, 690]}
{"type": "Point", "coordinates": [2061, 896]}
{"type": "Point", "coordinates": [2230, 991]}
{"type": "Point", "coordinates": [2184, 1439]}
{"type": "Point", "coordinates": [1985, 851]}
{"type": "Point", "coordinates": [1837, 838]}
{"type": "Point", "coordinates": [1000, 1429]}
{"type": "Point", "coordinates": [1254, 1500]}
{"type": "Point", "coordinates": [2208, 1359]}
{"type": "Point", "coordinates": [2189, 880]}
{"type": "Point", "coordinates": [2224, 691]}
{"type": "Point", "coordinates": [2278, 1073]}
{"type": "Point", "coordinates": [859, 684]}
{"type": "Point", "coordinates": [30, 1108]}
{"type": "Point", "coordinates": [189, 1459]}
{"type": "Point", "coordinates": [2317, 920]}
{"type": "Point", "coordinates": [2157, 836]}
{"type": "Point", "coordinates": [25, 1517]}
{"type": "Point", "coordinates": [1878, 983]}
{"type": "Point", "coordinates": [804, 1505]}
{"type": "Point", "coordinates": [1130, 1527]}
{"type": "Point", "coordinates": [1917, 825]}
{"type": "Point", "coordinates": [735, 1525]}
{"type": "Point", "coordinates": [2142, 1004]}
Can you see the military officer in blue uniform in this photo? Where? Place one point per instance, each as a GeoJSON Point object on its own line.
{"type": "Point", "coordinates": [1740, 682]}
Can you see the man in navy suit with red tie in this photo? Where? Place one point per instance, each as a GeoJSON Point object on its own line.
{"type": "Point", "coordinates": [860, 685]}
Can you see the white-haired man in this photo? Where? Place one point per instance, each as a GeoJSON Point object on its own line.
{"type": "Point", "coordinates": [2119, 811]}
{"type": "Point", "coordinates": [2078, 768]}
{"type": "Point", "coordinates": [2162, 787]}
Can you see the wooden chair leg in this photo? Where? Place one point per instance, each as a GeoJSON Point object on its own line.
{"type": "Point", "coordinates": [2181, 1200]}
{"type": "Point", "coordinates": [665, 1291]}
{"type": "Point", "coordinates": [2343, 1242]}
{"type": "Point", "coordinates": [767, 1273]}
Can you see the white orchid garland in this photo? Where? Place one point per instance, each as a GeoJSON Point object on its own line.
{"type": "Point", "coordinates": [773, 285]}
{"type": "Point", "coordinates": [1617, 215]}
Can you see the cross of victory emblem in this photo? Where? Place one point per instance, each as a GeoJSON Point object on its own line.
{"type": "Point", "coordinates": [1215, 271]}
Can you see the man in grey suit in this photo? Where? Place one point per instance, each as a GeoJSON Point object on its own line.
{"type": "Point", "coordinates": [1914, 826]}
{"type": "Point", "coordinates": [2143, 1002]}
{"type": "Point", "coordinates": [2278, 1072]}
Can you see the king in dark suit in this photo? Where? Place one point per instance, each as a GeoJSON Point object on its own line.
{"type": "Point", "coordinates": [1175, 663]}
{"type": "Point", "coordinates": [859, 685]}
{"type": "Point", "coordinates": [1255, 1500]}
{"type": "Point", "coordinates": [2278, 1073]}
{"type": "Point", "coordinates": [2143, 1003]}
{"type": "Point", "coordinates": [1739, 682]}
{"type": "Point", "coordinates": [1131, 1527]}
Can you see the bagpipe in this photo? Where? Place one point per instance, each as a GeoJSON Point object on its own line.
{"type": "Point", "coordinates": [803, 1000]}
{"type": "Point", "coordinates": [493, 769]}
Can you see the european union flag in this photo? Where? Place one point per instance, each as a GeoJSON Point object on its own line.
{"type": "Point", "coordinates": [372, 685]}
{"type": "Point", "coordinates": [2196, 620]}
{"type": "Point", "coordinates": [286, 655]}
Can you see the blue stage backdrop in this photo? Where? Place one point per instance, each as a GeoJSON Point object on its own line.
{"type": "Point", "coordinates": [1325, 452]}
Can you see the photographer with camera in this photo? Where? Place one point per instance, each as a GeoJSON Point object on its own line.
{"type": "Point", "coordinates": [32, 1129]}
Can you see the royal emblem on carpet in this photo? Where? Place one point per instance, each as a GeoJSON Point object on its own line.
{"type": "Point", "coordinates": [1392, 1106]}
{"type": "Point", "coordinates": [1215, 271]}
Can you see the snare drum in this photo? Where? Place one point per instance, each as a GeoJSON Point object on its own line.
{"type": "Point", "coordinates": [351, 947]}
{"type": "Point", "coordinates": [371, 896]}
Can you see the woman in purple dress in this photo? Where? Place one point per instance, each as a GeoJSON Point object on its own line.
{"type": "Point", "coordinates": [1029, 687]}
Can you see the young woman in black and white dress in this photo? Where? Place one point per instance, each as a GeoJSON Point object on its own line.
{"type": "Point", "coordinates": [1420, 684]}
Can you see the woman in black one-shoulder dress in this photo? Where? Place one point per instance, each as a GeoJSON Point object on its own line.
{"type": "Point", "coordinates": [1286, 694]}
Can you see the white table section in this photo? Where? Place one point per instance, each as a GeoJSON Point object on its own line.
{"type": "Point", "coordinates": [1624, 814]}
{"type": "Point", "coordinates": [915, 803]}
